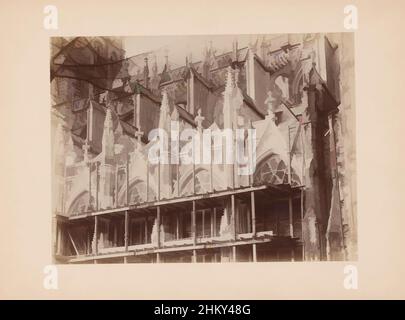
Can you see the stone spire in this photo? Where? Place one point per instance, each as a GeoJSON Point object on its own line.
{"type": "Point", "coordinates": [154, 67]}
{"type": "Point", "coordinates": [127, 85]}
{"type": "Point", "coordinates": [229, 117]}
{"type": "Point", "coordinates": [229, 81]}
{"type": "Point", "coordinates": [166, 73]}
{"type": "Point", "coordinates": [253, 45]}
{"type": "Point", "coordinates": [59, 152]}
{"type": "Point", "coordinates": [236, 80]}
{"type": "Point", "coordinates": [91, 91]}
{"type": "Point", "coordinates": [228, 93]}
{"type": "Point", "coordinates": [263, 49]}
{"type": "Point", "coordinates": [165, 168]}
{"type": "Point", "coordinates": [235, 51]}
{"type": "Point", "coordinates": [58, 169]}
{"type": "Point", "coordinates": [154, 79]}
{"type": "Point", "coordinates": [175, 115]}
{"type": "Point", "coordinates": [138, 136]}
{"type": "Point", "coordinates": [164, 111]}
{"type": "Point", "coordinates": [86, 149]}
{"type": "Point", "coordinates": [167, 59]}
{"type": "Point", "coordinates": [206, 63]}
{"type": "Point", "coordinates": [189, 59]}
{"type": "Point", "coordinates": [270, 101]}
{"type": "Point", "coordinates": [106, 198]}
{"type": "Point", "coordinates": [198, 120]}
{"type": "Point", "coordinates": [146, 73]}
{"type": "Point", "coordinates": [70, 151]}
{"type": "Point", "coordinates": [164, 116]}
{"type": "Point", "coordinates": [108, 137]}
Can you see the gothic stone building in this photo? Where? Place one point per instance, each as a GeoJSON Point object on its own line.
{"type": "Point", "coordinates": [111, 204]}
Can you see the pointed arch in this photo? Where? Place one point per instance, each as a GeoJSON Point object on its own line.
{"type": "Point", "coordinates": [79, 204]}
{"type": "Point", "coordinates": [273, 169]}
{"type": "Point", "coordinates": [136, 192]}
{"type": "Point", "coordinates": [202, 183]}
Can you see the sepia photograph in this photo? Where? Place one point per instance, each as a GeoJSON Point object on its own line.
{"type": "Point", "coordinates": [202, 158]}
{"type": "Point", "coordinates": [216, 148]}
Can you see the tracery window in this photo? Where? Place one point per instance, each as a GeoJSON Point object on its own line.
{"type": "Point", "coordinates": [80, 205]}
{"type": "Point", "coordinates": [275, 171]}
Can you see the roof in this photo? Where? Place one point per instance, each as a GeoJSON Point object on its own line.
{"type": "Point", "coordinates": [184, 114]}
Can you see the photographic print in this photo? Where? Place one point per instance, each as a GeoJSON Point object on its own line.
{"type": "Point", "coordinates": [203, 148]}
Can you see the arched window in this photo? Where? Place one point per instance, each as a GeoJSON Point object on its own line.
{"type": "Point", "coordinates": [202, 183]}
{"type": "Point", "coordinates": [80, 204]}
{"type": "Point", "coordinates": [137, 193]}
{"type": "Point", "coordinates": [273, 170]}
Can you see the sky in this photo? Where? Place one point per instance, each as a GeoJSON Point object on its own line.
{"type": "Point", "coordinates": [178, 47]}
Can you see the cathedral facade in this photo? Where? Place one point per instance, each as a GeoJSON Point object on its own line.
{"type": "Point", "coordinates": [290, 96]}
